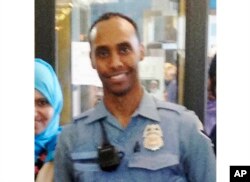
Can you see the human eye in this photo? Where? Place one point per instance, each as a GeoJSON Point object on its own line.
{"type": "Point", "coordinates": [42, 102]}
{"type": "Point", "coordinates": [124, 49]}
{"type": "Point", "coordinates": [102, 52]}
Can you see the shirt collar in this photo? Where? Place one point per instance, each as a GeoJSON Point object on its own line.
{"type": "Point", "coordinates": [147, 108]}
{"type": "Point", "coordinates": [97, 113]}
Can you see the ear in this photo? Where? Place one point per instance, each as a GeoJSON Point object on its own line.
{"type": "Point", "coordinates": [142, 51]}
{"type": "Point", "coordinates": [92, 60]}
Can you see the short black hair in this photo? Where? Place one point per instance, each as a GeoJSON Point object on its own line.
{"type": "Point", "coordinates": [212, 68]}
{"type": "Point", "coordinates": [212, 75]}
{"type": "Point", "coordinates": [109, 15]}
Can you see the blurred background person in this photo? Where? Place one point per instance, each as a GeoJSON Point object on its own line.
{"type": "Point", "coordinates": [170, 92]}
{"type": "Point", "coordinates": [96, 95]}
{"type": "Point", "coordinates": [48, 106]}
{"type": "Point", "coordinates": [210, 121]}
{"type": "Point", "coordinates": [154, 89]}
{"type": "Point", "coordinates": [170, 30]}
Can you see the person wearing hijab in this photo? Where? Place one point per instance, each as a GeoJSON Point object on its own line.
{"type": "Point", "coordinates": [48, 106]}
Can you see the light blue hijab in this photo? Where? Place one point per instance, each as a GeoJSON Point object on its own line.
{"type": "Point", "coordinates": [46, 82]}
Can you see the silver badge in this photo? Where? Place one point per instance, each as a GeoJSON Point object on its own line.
{"type": "Point", "coordinates": [153, 137]}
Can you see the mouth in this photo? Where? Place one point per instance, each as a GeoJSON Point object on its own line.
{"type": "Point", "coordinates": [38, 121]}
{"type": "Point", "coordinates": [118, 77]}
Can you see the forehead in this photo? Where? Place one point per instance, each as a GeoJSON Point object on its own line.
{"type": "Point", "coordinates": [114, 29]}
{"type": "Point", "coordinates": [38, 94]}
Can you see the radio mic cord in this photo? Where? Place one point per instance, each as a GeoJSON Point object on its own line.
{"type": "Point", "coordinates": [108, 157]}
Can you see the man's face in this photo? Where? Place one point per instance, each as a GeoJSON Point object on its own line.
{"type": "Point", "coordinates": [115, 53]}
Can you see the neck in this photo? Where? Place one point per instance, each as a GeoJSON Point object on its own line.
{"type": "Point", "coordinates": [122, 107]}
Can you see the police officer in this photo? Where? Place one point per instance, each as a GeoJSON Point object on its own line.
{"type": "Point", "coordinates": [130, 135]}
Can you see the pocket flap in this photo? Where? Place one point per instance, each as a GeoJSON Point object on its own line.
{"type": "Point", "coordinates": [84, 155]}
{"type": "Point", "coordinates": [85, 161]}
{"type": "Point", "coordinates": [153, 162]}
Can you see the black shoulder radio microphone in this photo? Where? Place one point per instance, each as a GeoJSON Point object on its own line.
{"type": "Point", "coordinates": [108, 157]}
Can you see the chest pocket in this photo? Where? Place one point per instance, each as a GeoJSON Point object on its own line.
{"type": "Point", "coordinates": [155, 166]}
{"type": "Point", "coordinates": [85, 165]}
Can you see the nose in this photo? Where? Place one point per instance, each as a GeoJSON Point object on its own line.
{"type": "Point", "coordinates": [36, 113]}
{"type": "Point", "coordinates": [115, 61]}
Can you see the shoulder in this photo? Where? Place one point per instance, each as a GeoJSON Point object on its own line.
{"type": "Point", "coordinates": [171, 107]}
{"type": "Point", "coordinates": [77, 120]}
{"type": "Point", "coordinates": [78, 124]}
{"type": "Point", "coordinates": [83, 116]}
{"type": "Point", "coordinates": [178, 113]}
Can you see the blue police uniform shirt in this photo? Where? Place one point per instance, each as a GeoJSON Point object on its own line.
{"type": "Point", "coordinates": [186, 154]}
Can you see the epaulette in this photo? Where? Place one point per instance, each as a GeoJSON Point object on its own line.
{"type": "Point", "coordinates": [170, 106]}
{"type": "Point", "coordinates": [82, 115]}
